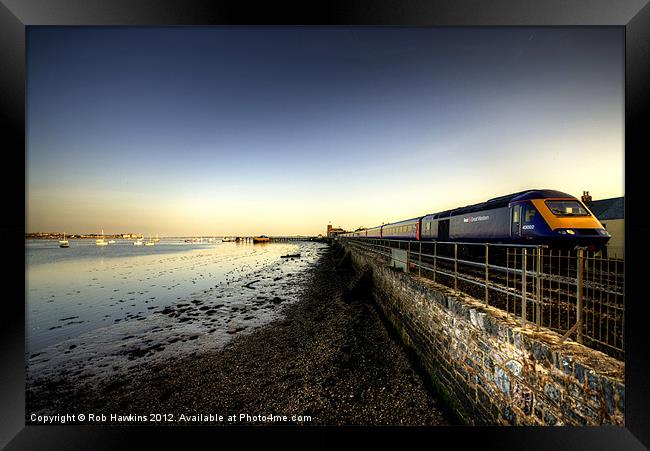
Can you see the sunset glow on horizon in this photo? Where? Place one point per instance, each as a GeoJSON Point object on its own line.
{"type": "Point", "coordinates": [282, 130]}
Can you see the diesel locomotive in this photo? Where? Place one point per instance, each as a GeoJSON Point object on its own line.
{"type": "Point", "coordinates": [539, 216]}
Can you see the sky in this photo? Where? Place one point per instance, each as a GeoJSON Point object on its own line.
{"type": "Point", "coordinates": [281, 130]}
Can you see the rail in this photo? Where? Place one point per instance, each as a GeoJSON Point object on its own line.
{"type": "Point", "coordinates": [575, 293]}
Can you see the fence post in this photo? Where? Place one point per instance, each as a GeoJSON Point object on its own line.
{"type": "Point", "coordinates": [523, 286]}
{"type": "Point", "coordinates": [580, 262]}
{"type": "Point", "coordinates": [408, 258]}
{"type": "Point", "coordinates": [538, 287]}
{"type": "Point", "coordinates": [486, 274]}
{"type": "Point", "coordinates": [420, 260]}
{"type": "Point", "coordinates": [455, 266]}
{"type": "Point", "coordinates": [435, 259]}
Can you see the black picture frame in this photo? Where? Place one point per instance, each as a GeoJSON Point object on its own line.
{"type": "Point", "coordinates": [15, 15]}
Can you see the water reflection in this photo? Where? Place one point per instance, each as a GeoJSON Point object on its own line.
{"type": "Point", "coordinates": [84, 287]}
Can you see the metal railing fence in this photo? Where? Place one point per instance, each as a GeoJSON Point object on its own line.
{"type": "Point", "coordinates": [576, 293]}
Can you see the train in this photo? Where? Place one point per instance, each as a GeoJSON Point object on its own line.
{"type": "Point", "coordinates": [534, 217]}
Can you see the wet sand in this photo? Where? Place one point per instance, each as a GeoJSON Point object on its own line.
{"type": "Point", "coordinates": [328, 355]}
{"type": "Point", "coordinates": [250, 297]}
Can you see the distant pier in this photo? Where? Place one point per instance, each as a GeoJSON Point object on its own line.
{"type": "Point", "coordinates": [281, 239]}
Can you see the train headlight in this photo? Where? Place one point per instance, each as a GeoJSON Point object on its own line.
{"type": "Point", "coordinates": [562, 232]}
{"type": "Point", "coordinates": [602, 231]}
{"type": "Point", "coordinates": [570, 232]}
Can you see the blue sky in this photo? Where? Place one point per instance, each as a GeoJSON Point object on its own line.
{"type": "Point", "coordinates": [280, 130]}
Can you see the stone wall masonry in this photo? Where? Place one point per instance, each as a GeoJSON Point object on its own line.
{"type": "Point", "coordinates": [489, 369]}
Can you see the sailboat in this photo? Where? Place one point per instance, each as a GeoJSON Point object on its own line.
{"type": "Point", "coordinates": [150, 242]}
{"type": "Point", "coordinates": [138, 242]}
{"type": "Point", "coordinates": [101, 241]}
{"type": "Point", "coordinates": [64, 242]}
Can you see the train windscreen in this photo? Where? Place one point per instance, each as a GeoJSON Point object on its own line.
{"type": "Point", "coordinates": [566, 208]}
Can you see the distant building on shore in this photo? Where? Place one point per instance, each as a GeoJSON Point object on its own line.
{"type": "Point", "coordinates": [611, 214]}
{"type": "Point", "coordinates": [333, 231]}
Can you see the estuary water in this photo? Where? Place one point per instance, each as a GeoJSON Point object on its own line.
{"type": "Point", "coordinates": [88, 293]}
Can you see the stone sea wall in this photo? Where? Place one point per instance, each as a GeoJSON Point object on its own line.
{"type": "Point", "coordinates": [489, 369]}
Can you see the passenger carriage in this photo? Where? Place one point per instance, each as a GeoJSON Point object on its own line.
{"type": "Point", "coordinates": [546, 217]}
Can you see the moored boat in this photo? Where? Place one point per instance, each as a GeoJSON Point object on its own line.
{"type": "Point", "coordinates": [64, 242]}
{"type": "Point", "coordinates": [261, 239]}
{"type": "Point", "coordinates": [101, 241]}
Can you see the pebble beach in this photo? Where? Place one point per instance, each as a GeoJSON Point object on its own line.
{"type": "Point", "coordinates": [300, 338]}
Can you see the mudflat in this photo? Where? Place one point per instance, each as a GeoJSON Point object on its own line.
{"type": "Point", "coordinates": [328, 360]}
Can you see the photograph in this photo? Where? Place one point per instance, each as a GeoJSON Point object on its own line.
{"type": "Point", "coordinates": [325, 226]}
{"type": "Point", "coordinates": [324, 223]}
